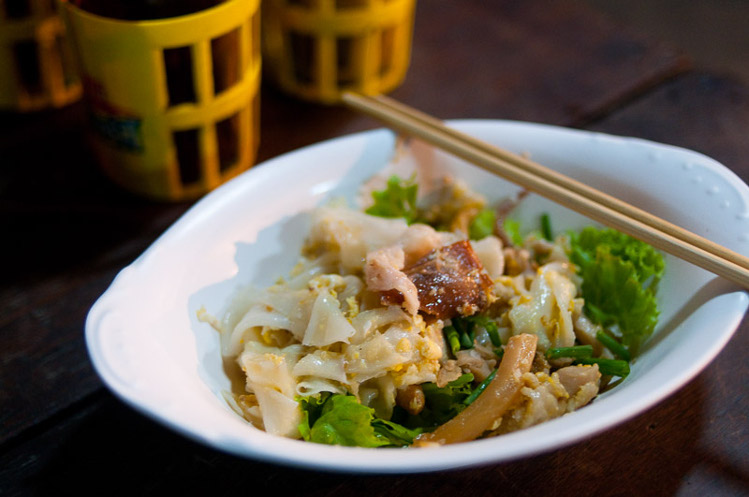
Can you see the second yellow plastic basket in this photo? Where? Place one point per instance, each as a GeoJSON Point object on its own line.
{"type": "Point", "coordinates": [317, 49]}
{"type": "Point", "coordinates": [36, 67]}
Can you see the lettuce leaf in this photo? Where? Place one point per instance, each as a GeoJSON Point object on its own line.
{"type": "Point", "coordinates": [398, 199]}
{"type": "Point", "coordinates": [620, 280]}
{"type": "Point", "coordinates": [337, 419]}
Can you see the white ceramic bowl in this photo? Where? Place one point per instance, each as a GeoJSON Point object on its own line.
{"type": "Point", "coordinates": [150, 349]}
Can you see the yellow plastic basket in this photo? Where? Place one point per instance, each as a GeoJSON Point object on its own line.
{"type": "Point", "coordinates": [173, 103]}
{"type": "Point", "coordinates": [317, 49]}
{"type": "Point", "coordinates": [36, 68]}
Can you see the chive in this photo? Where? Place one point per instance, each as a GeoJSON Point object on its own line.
{"type": "Point", "coordinates": [499, 352]}
{"type": "Point", "coordinates": [493, 330]}
{"type": "Point", "coordinates": [575, 352]}
{"type": "Point", "coordinates": [465, 332]}
{"type": "Point", "coordinates": [607, 367]}
{"type": "Point", "coordinates": [482, 386]}
{"type": "Point", "coordinates": [451, 335]}
{"type": "Point", "coordinates": [494, 335]}
{"type": "Point", "coordinates": [465, 341]}
{"type": "Point", "coordinates": [546, 227]}
{"type": "Point", "coordinates": [613, 345]}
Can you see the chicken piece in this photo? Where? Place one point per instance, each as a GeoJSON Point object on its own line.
{"type": "Point", "coordinates": [546, 397]}
{"type": "Point", "coordinates": [582, 384]}
{"type": "Point", "coordinates": [518, 261]}
{"type": "Point", "coordinates": [470, 360]}
{"type": "Point", "coordinates": [450, 371]}
{"type": "Point", "coordinates": [489, 252]}
{"type": "Point", "coordinates": [420, 239]}
{"type": "Point", "coordinates": [382, 272]}
{"type": "Point", "coordinates": [450, 281]}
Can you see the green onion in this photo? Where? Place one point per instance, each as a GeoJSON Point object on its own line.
{"type": "Point", "coordinates": [465, 332]}
{"type": "Point", "coordinates": [465, 341]}
{"type": "Point", "coordinates": [613, 345]}
{"type": "Point", "coordinates": [451, 335]}
{"type": "Point", "coordinates": [575, 352]}
{"type": "Point", "coordinates": [546, 227]}
{"type": "Point", "coordinates": [467, 325]}
{"type": "Point", "coordinates": [493, 332]}
{"type": "Point", "coordinates": [482, 386]}
{"type": "Point", "coordinates": [607, 367]}
{"type": "Point", "coordinates": [491, 328]}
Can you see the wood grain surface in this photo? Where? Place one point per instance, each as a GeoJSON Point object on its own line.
{"type": "Point", "coordinates": [69, 231]}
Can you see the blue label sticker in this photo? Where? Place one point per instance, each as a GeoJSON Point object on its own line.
{"type": "Point", "coordinates": [124, 132]}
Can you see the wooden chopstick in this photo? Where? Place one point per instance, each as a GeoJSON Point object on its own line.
{"type": "Point", "coordinates": [573, 185]}
{"type": "Point", "coordinates": [558, 188]}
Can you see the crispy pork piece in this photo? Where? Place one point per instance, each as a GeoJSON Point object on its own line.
{"type": "Point", "coordinates": [450, 281]}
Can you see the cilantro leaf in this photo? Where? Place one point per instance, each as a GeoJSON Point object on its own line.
{"type": "Point", "coordinates": [512, 229]}
{"type": "Point", "coordinates": [482, 225]}
{"type": "Point", "coordinates": [398, 199]}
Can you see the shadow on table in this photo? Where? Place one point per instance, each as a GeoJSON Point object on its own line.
{"type": "Point", "coordinates": [59, 207]}
{"type": "Point", "coordinates": [112, 449]}
{"type": "Point", "coordinates": [63, 211]}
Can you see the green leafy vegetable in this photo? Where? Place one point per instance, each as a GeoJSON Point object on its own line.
{"type": "Point", "coordinates": [311, 411]}
{"type": "Point", "coordinates": [440, 404]}
{"type": "Point", "coordinates": [482, 225]}
{"type": "Point", "coordinates": [397, 435]}
{"type": "Point", "coordinates": [398, 199]}
{"type": "Point", "coordinates": [512, 228]}
{"type": "Point", "coordinates": [620, 279]}
{"type": "Point", "coordinates": [336, 419]}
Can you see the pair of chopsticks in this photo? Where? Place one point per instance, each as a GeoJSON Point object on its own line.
{"type": "Point", "coordinates": [557, 187]}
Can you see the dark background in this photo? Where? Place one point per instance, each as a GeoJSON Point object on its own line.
{"type": "Point", "coordinates": [715, 33]}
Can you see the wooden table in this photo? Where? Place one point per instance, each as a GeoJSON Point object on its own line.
{"type": "Point", "coordinates": [68, 231]}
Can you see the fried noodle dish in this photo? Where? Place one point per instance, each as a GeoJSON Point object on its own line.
{"type": "Point", "coordinates": [422, 321]}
